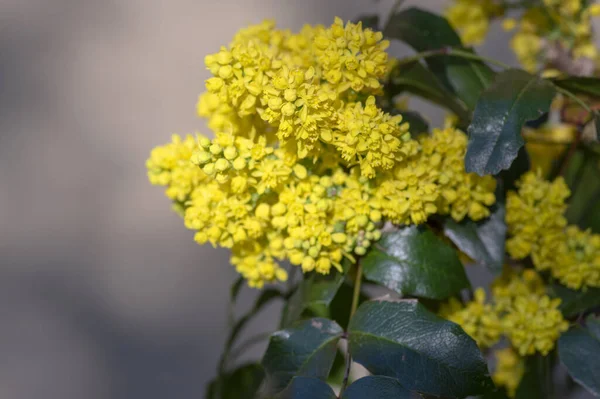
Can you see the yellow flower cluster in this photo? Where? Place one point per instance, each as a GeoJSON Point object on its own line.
{"type": "Point", "coordinates": [472, 18]}
{"type": "Point", "coordinates": [520, 310]}
{"type": "Point", "coordinates": [170, 166]}
{"type": "Point", "coordinates": [478, 319]}
{"type": "Point", "coordinates": [510, 368]}
{"type": "Point", "coordinates": [538, 228]}
{"type": "Point", "coordinates": [434, 181]}
{"type": "Point", "coordinates": [304, 166]}
{"type": "Point", "coordinates": [563, 25]}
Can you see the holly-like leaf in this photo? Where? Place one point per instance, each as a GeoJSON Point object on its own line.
{"type": "Point", "coordinates": [575, 302]}
{"type": "Point", "coordinates": [242, 383]}
{"type": "Point", "coordinates": [423, 30]}
{"type": "Point", "coordinates": [514, 98]}
{"type": "Point", "coordinates": [468, 78]}
{"type": "Point", "coordinates": [315, 290]}
{"type": "Point", "coordinates": [425, 353]}
{"type": "Point", "coordinates": [414, 261]}
{"type": "Point", "coordinates": [416, 79]}
{"type": "Point", "coordinates": [305, 388]}
{"type": "Point", "coordinates": [307, 349]}
{"type": "Point", "coordinates": [483, 241]}
{"type": "Point", "coordinates": [376, 387]}
{"type": "Point", "coordinates": [579, 351]}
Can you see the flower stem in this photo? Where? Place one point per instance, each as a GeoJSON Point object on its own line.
{"type": "Point", "coordinates": [353, 307]}
{"type": "Point", "coordinates": [357, 284]}
{"type": "Point", "coordinates": [449, 51]}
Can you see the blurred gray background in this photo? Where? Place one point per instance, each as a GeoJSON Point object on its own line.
{"type": "Point", "coordinates": [104, 294]}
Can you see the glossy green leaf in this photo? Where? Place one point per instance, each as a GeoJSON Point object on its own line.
{"type": "Point", "coordinates": [307, 388]}
{"type": "Point", "coordinates": [425, 353]}
{"type": "Point", "coordinates": [580, 85]}
{"type": "Point", "coordinates": [376, 387]}
{"type": "Point", "coordinates": [423, 30]}
{"type": "Point", "coordinates": [414, 261]}
{"type": "Point", "coordinates": [468, 78]}
{"type": "Point", "coordinates": [307, 349]}
{"type": "Point", "coordinates": [483, 241]}
{"type": "Point", "coordinates": [416, 79]}
{"type": "Point", "coordinates": [315, 290]}
{"type": "Point", "coordinates": [242, 383]}
{"type": "Point", "coordinates": [575, 302]}
{"type": "Point", "coordinates": [535, 382]}
{"type": "Point", "coordinates": [579, 351]}
{"type": "Point", "coordinates": [514, 98]}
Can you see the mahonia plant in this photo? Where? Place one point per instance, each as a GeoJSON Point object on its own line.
{"type": "Point", "coordinates": [336, 198]}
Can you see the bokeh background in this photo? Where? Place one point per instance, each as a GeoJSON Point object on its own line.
{"type": "Point", "coordinates": [103, 293]}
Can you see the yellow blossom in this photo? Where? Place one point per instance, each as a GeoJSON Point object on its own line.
{"type": "Point", "coordinates": [351, 57]}
{"type": "Point", "coordinates": [510, 368]}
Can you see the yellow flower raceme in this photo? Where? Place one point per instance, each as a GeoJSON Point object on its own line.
{"type": "Point", "coordinates": [530, 319]}
{"type": "Point", "coordinates": [534, 324]}
{"type": "Point", "coordinates": [534, 215]}
{"type": "Point", "coordinates": [510, 368]}
{"type": "Point", "coordinates": [472, 18]}
{"type": "Point", "coordinates": [373, 139]}
{"type": "Point", "coordinates": [577, 264]}
{"type": "Point", "coordinates": [170, 166]}
{"type": "Point", "coordinates": [461, 194]}
{"type": "Point", "coordinates": [477, 318]}
{"type": "Point", "coordinates": [351, 57]}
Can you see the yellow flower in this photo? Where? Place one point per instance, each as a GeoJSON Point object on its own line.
{"type": "Point", "coordinates": [510, 368]}
{"type": "Point", "coordinates": [477, 318]}
{"type": "Point", "coordinates": [373, 139]}
{"type": "Point", "coordinates": [577, 263]}
{"type": "Point", "coordinates": [534, 215]}
{"type": "Point", "coordinates": [351, 57]}
{"type": "Point", "coordinates": [170, 166]}
{"type": "Point", "coordinates": [461, 194]}
{"type": "Point", "coordinates": [534, 323]}
{"type": "Point", "coordinates": [472, 18]}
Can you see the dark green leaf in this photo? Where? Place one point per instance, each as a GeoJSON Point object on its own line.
{"type": "Point", "coordinates": [307, 349]}
{"type": "Point", "coordinates": [242, 383]}
{"type": "Point", "coordinates": [535, 382]}
{"type": "Point", "coordinates": [495, 138]}
{"type": "Point", "coordinates": [403, 340]}
{"type": "Point", "coordinates": [468, 78]}
{"type": "Point", "coordinates": [307, 388]}
{"type": "Point", "coordinates": [414, 261]}
{"type": "Point", "coordinates": [580, 85]}
{"type": "Point", "coordinates": [579, 351]}
{"type": "Point", "coordinates": [585, 196]}
{"type": "Point", "coordinates": [340, 306]}
{"type": "Point", "coordinates": [314, 291]}
{"type": "Point", "coordinates": [376, 387]}
{"type": "Point", "coordinates": [424, 31]}
{"type": "Point", "coordinates": [416, 79]}
{"type": "Point", "coordinates": [482, 241]}
{"type": "Point", "coordinates": [370, 21]}
{"type": "Point", "coordinates": [575, 302]}
{"type": "Point", "coordinates": [592, 322]}
{"type": "Point", "coordinates": [519, 167]}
